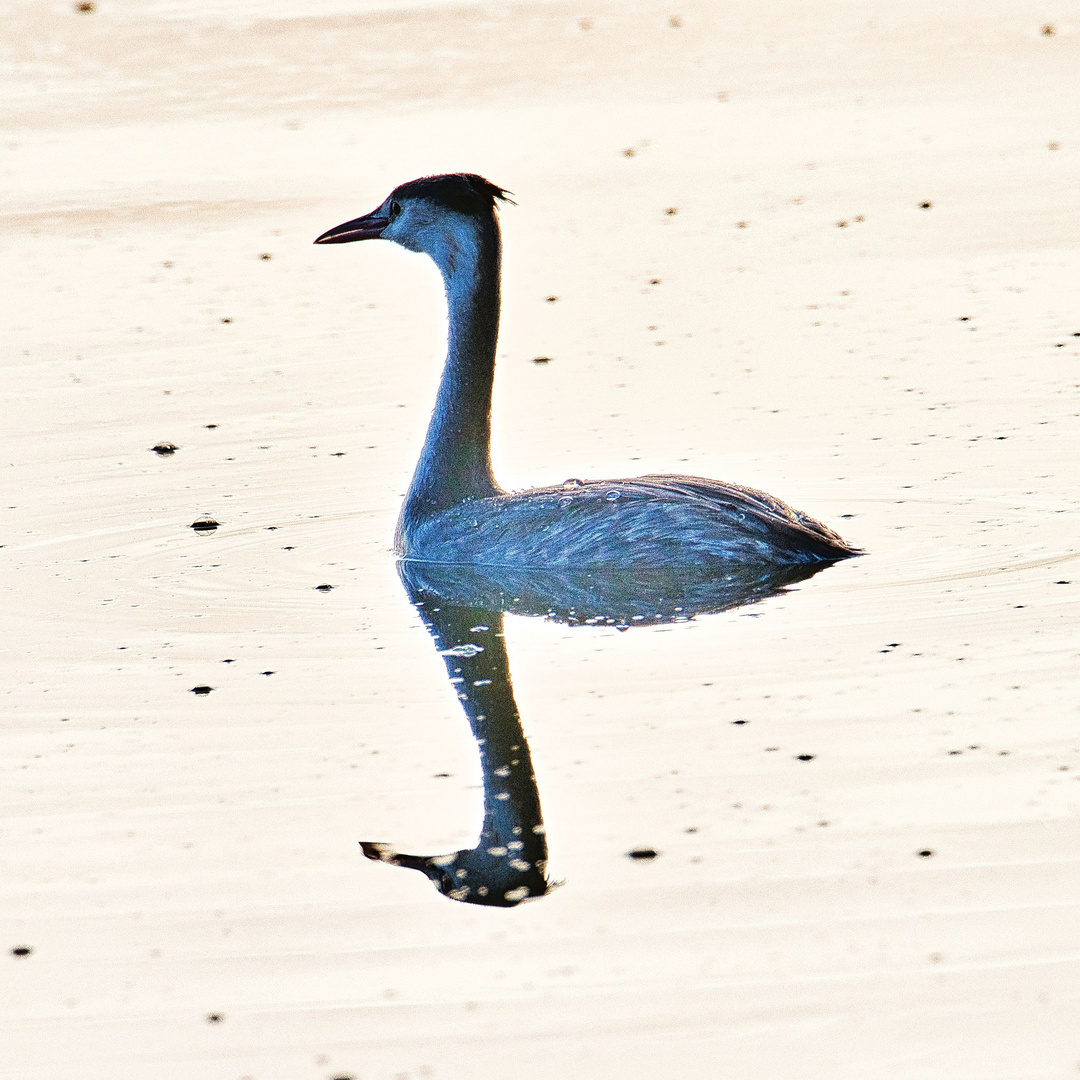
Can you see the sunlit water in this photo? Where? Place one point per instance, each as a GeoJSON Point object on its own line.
{"type": "Point", "coordinates": [861, 791]}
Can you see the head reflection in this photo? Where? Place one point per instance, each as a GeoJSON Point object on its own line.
{"type": "Point", "coordinates": [463, 607]}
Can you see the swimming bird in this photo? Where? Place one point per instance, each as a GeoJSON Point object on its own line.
{"type": "Point", "coordinates": [455, 512]}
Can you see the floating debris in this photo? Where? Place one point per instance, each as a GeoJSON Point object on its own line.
{"type": "Point", "coordinates": [165, 449]}
{"type": "Point", "coordinates": [202, 689]}
{"type": "Point", "coordinates": [642, 853]}
{"type": "Point", "coordinates": [204, 525]}
{"type": "Point", "coordinates": [323, 588]}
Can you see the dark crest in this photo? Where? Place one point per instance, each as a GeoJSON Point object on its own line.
{"type": "Point", "coordinates": [465, 192]}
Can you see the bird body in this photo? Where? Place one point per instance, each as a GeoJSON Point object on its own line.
{"type": "Point", "coordinates": [455, 512]}
{"type": "Point", "coordinates": [657, 520]}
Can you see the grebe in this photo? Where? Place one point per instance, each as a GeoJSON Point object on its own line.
{"type": "Point", "coordinates": [455, 512]}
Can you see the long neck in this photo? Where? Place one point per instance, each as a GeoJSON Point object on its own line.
{"type": "Point", "coordinates": [455, 463]}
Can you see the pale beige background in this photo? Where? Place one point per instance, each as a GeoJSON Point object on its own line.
{"type": "Point", "coordinates": [167, 857]}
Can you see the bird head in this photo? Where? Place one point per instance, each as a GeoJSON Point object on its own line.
{"type": "Point", "coordinates": [425, 215]}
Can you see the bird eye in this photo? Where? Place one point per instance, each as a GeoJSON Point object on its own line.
{"type": "Point", "coordinates": [395, 209]}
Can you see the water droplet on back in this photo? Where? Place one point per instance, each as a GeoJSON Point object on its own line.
{"type": "Point", "coordinates": [573, 482]}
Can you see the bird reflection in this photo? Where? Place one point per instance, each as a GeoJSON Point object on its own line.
{"type": "Point", "coordinates": [462, 608]}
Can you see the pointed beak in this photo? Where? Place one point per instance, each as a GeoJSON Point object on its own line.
{"type": "Point", "coordinates": [368, 227]}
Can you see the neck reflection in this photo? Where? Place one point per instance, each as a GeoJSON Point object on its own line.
{"type": "Point", "coordinates": [462, 608]}
{"type": "Point", "coordinates": [508, 863]}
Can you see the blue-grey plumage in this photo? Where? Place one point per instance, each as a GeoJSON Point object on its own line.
{"type": "Point", "coordinates": [455, 512]}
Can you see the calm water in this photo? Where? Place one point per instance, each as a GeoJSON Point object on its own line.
{"type": "Point", "coordinates": [862, 790]}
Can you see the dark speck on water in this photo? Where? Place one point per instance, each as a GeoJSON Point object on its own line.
{"type": "Point", "coordinates": [202, 690]}
{"type": "Point", "coordinates": [165, 449]}
{"type": "Point", "coordinates": [925, 853]}
{"type": "Point", "coordinates": [642, 853]}
{"type": "Point", "coordinates": [21, 950]}
{"type": "Point", "coordinates": [207, 524]}
{"type": "Point", "coordinates": [541, 359]}
{"type": "Point", "coordinates": [323, 588]}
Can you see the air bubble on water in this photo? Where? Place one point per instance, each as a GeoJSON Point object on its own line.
{"type": "Point", "coordinates": [478, 629]}
{"type": "Point", "coordinates": [564, 502]}
{"type": "Point", "coordinates": [465, 650]}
